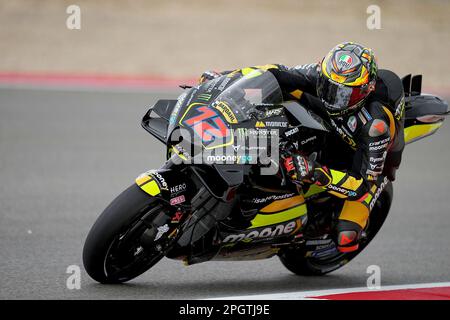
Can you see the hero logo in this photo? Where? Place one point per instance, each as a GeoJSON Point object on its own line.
{"type": "Point", "coordinates": [377, 194]}
{"type": "Point", "coordinates": [162, 182]}
{"type": "Point", "coordinates": [269, 232]}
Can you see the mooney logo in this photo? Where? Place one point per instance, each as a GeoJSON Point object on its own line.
{"type": "Point", "coordinates": [377, 194]}
{"type": "Point", "coordinates": [342, 190]}
{"type": "Point", "coordinates": [161, 181]}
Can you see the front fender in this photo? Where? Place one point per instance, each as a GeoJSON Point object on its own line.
{"type": "Point", "coordinates": [168, 184]}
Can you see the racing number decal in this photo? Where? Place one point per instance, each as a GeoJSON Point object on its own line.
{"type": "Point", "coordinates": [206, 123]}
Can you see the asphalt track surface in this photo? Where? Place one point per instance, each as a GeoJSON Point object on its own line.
{"type": "Point", "coordinates": [64, 155]}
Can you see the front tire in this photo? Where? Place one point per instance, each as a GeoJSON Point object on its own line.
{"type": "Point", "coordinates": [103, 258]}
{"type": "Point", "coordinates": [294, 258]}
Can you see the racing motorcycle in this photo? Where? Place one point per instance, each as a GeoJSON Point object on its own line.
{"type": "Point", "coordinates": [235, 203]}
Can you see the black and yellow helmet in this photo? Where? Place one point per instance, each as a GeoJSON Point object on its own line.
{"type": "Point", "coordinates": [347, 75]}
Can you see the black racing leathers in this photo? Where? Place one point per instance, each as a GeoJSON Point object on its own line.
{"type": "Point", "coordinates": [374, 133]}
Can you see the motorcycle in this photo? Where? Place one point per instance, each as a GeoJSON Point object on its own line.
{"type": "Point", "coordinates": [221, 196]}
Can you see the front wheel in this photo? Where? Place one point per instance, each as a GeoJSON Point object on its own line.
{"type": "Point", "coordinates": [113, 252]}
{"type": "Point", "coordinates": [294, 258]}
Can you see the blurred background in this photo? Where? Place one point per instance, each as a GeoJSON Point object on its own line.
{"type": "Point", "coordinates": [183, 38]}
{"type": "Point", "coordinates": [68, 145]}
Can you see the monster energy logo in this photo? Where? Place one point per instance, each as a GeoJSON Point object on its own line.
{"type": "Point", "coordinates": [204, 97]}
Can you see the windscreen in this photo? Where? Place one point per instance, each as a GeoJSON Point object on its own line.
{"type": "Point", "coordinates": [255, 88]}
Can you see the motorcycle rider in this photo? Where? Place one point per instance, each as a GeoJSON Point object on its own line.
{"type": "Point", "coordinates": [365, 106]}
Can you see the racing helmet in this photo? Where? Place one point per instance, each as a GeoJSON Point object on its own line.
{"type": "Point", "coordinates": [347, 75]}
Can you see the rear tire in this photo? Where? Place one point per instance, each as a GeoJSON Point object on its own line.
{"type": "Point", "coordinates": [117, 219]}
{"type": "Point", "coordinates": [295, 261]}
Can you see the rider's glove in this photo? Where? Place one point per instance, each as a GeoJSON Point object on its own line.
{"type": "Point", "coordinates": [300, 168]}
{"type": "Point", "coordinates": [208, 75]}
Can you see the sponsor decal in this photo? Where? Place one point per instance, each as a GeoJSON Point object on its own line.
{"type": "Point", "coordinates": [273, 112]}
{"type": "Point", "coordinates": [308, 140]}
{"type": "Point", "coordinates": [377, 128]}
{"type": "Point", "coordinates": [160, 179]}
{"type": "Point", "coordinates": [376, 143]}
{"type": "Point", "coordinates": [223, 84]}
{"type": "Point", "coordinates": [318, 242]}
{"type": "Point", "coordinates": [351, 123]}
{"type": "Point", "coordinates": [306, 66]}
{"type": "Point", "coordinates": [241, 159]}
{"type": "Point", "coordinates": [283, 124]}
{"type": "Point", "coordinates": [211, 84]}
{"type": "Point", "coordinates": [208, 124]}
{"type": "Point", "coordinates": [366, 114]}
{"type": "Point", "coordinates": [273, 198]}
{"type": "Point", "coordinates": [290, 132]}
{"type": "Point", "coordinates": [383, 146]}
{"type": "Point", "coordinates": [362, 118]}
{"type": "Point", "coordinates": [341, 190]}
{"type": "Point", "coordinates": [400, 109]}
{"type": "Point", "coordinates": [177, 200]}
{"type": "Point", "coordinates": [260, 124]}
{"type": "Point", "coordinates": [177, 217]}
{"type": "Point", "coordinates": [376, 159]}
{"type": "Point", "coordinates": [181, 151]}
{"type": "Point", "coordinates": [374, 174]}
{"type": "Point", "coordinates": [345, 136]}
{"type": "Point", "coordinates": [176, 109]}
{"type": "Point", "coordinates": [161, 231]}
{"type": "Point", "coordinates": [267, 232]}
{"type": "Point", "coordinates": [178, 189]}
{"type": "Point", "coordinates": [302, 166]}
{"type": "Point", "coordinates": [322, 252]}
{"type": "Point", "coordinates": [244, 132]}
{"type": "Point", "coordinates": [377, 194]}
{"type": "Point", "coordinates": [204, 97]}
{"type": "Point", "coordinates": [226, 111]}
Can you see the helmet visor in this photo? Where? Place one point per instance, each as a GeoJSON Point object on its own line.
{"type": "Point", "coordinates": [338, 97]}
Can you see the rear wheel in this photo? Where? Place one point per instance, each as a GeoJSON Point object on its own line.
{"type": "Point", "coordinates": [113, 252]}
{"type": "Point", "coordinates": [294, 258]}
